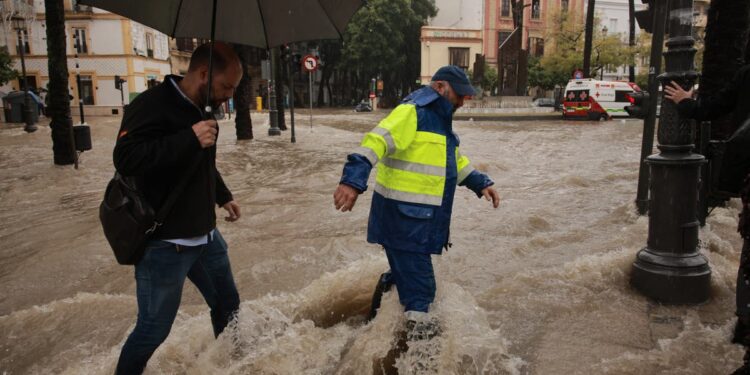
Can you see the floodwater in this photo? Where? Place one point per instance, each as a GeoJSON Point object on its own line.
{"type": "Point", "coordinates": [537, 286]}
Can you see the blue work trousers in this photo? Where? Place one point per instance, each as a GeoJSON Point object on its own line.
{"type": "Point", "coordinates": [414, 278]}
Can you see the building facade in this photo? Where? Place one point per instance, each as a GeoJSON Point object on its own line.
{"type": "Point", "coordinates": [453, 37]}
{"type": "Point", "coordinates": [108, 45]}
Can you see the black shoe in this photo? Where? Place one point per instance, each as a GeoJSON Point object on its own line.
{"type": "Point", "coordinates": [384, 284]}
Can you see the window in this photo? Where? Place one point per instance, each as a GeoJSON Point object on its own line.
{"type": "Point", "coordinates": [459, 57]}
{"type": "Point", "coordinates": [564, 5]}
{"type": "Point", "coordinates": [23, 40]}
{"type": "Point", "coordinates": [30, 80]}
{"type": "Point", "coordinates": [185, 44]}
{"type": "Point", "coordinates": [79, 40]}
{"type": "Point", "coordinates": [536, 9]}
{"type": "Point", "coordinates": [502, 37]}
{"type": "Point", "coordinates": [613, 25]}
{"type": "Point", "coordinates": [150, 45]}
{"type": "Point", "coordinates": [536, 46]}
{"type": "Point", "coordinates": [151, 81]}
{"type": "Point", "coordinates": [87, 89]}
{"type": "Point", "coordinates": [505, 9]}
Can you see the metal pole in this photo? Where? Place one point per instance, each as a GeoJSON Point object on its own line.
{"type": "Point", "coordinates": [311, 94]}
{"type": "Point", "coordinates": [670, 269]}
{"type": "Point", "coordinates": [273, 111]}
{"type": "Point", "coordinates": [649, 124]}
{"type": "Point", "coordinates": [291, 94]}
{"type": "Point", "coordinates": [27, 113]}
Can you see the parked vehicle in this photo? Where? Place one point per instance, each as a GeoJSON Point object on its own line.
{"type": "Point", "coordinates": [363, 106]}
{"type": "Point", "coordinates": [543, 102]}
{"type": "Point", "coordinates": [589, 99]}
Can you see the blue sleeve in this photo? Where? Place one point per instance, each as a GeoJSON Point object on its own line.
{"type": "Point", "coordinates": [356, 172]}
{"type": "Point", "coordinates": [477, 181]}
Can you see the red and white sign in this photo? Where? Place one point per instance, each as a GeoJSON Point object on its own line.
{"type": "Point", "coordinates": [310, 63]}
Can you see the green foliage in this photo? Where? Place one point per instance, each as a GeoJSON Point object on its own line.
{"type": "Point", "coordinates": [565, 54]}
{"type": "Point", "coordinates": [489, 81]}
{"type": "Point", "coordinates": [382, 39]}
{"type": "Point", "coordinates": [7, 73]}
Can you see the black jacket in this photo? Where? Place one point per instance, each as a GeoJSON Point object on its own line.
{"type": "Point", "coordinates": [156, 143]}
{"type": "Point", "coordinates": [734, 98]}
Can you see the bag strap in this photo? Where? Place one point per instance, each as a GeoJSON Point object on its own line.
{"type": "Point", "coordinates": [174, 194]}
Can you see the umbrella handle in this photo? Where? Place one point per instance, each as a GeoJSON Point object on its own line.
{"type": "Point", "coordinates": [208, 110]}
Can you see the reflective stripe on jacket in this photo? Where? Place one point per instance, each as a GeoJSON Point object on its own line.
{"type": "Point", "coordinates": [419, 166]}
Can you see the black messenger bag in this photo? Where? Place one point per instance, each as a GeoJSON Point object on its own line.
{"type": "Point", "coordinates": [127, 218]}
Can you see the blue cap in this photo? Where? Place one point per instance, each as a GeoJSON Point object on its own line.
{"type": "Point", "coordinates": [457, 78]}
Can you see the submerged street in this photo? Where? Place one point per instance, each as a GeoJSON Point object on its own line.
{"type": "Point", "coordinates": [538, 286]}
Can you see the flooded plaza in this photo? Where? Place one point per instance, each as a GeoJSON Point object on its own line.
{"type": "Point", "coordinates": [538, 286]}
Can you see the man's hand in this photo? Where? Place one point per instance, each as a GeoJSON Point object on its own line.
{"type": "Point", "coordinates": [675, 93]}
{"type": "Point", "coordinates": [491, 195]}
{"type": "Point", "coordinates": [206, 132]}
{"type": "Point", "coordinates": [233, 209]}
{"type": "Point", "coordinates": [345, 197]}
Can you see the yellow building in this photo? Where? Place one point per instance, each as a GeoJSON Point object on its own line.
{"type": "Point", "coordinates": [109, 46]}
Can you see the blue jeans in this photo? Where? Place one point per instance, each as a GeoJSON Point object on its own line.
{"type": "Point", "coordinates": [160, 276]}
{"type": "Point", "coordinates": [414, 278]}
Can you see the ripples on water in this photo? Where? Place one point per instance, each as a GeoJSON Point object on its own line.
{"type": "Point", "coordinates": [539, 286]}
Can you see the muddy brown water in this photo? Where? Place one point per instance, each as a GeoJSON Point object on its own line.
{"type": "Point", "coordinates": [537, 286]}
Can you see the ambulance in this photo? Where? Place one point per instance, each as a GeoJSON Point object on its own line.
{"type": "Point", "coordinates": [589, 99]}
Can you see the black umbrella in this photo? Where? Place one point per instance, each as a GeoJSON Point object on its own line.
{"type": "Point", "coordinates": [259, 23]}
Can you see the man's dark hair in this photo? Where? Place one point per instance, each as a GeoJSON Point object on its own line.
{"type": "Point", "coordinates": [223, 55]}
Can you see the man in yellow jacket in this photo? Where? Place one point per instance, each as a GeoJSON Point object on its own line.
{"type": "Point", "coordinates": [419, 166]}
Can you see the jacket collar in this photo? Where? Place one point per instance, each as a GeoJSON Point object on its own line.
{"type": "Point", "coordinates": [428, 96]}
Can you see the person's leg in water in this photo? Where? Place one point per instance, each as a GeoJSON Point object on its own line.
{"type": "Point", "coordinates": [159, 275]}
{"type": "Point", "coordinates": [742, 328]}
{"type": "Point", "coordinates": [212, 275]}
{"type": "Point", "coordinates": [414, 277]}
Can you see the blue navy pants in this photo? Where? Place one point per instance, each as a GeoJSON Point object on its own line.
{"type": "Point", "coordinates": [414, 278]}
{"type": "Point", "coordinates": [160, 275]}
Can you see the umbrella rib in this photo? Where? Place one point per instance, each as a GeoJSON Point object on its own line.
{"type": "Point", "coordinates": [330, 20]}
{"type": "Point", "coordinates": [177, 19]}
{"type": "Point", "coordinates": [263, 22]}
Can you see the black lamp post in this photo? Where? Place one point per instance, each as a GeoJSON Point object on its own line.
{"type": "Point", "coordinates": [670, 269]}
{"type": "Point", "coordinates": [19, 24]}
{"type": "Point", "coordinates": [272, 110]}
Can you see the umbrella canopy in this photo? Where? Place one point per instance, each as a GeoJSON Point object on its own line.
{"type": "Point", "coordinates": [259, 23]}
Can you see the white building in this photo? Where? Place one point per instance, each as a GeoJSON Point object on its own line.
{"type": "Point", "coordinates": [614, 19]}
{"type": "Point", "coordinates": [110, 46]}
{"type": "Point", "coordinates": [453, 37]}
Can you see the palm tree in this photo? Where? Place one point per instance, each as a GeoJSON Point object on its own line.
{"type": "Point", "coordinates": [726, 42]}
{"type": "Point", "coordinates": [63, 145]}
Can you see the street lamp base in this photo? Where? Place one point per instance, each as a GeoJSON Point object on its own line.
{"type": "Point", "coordinates": [672, 280]}
{"type": "Point", "coordinates": [274, 131]}
{"type": "Point", "coordinates": [29, 128]}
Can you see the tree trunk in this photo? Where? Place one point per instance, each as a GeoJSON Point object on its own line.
{"type": "Point", "coordinates": [243, 124]}
{"type": "Point", "coordinates": [63, 145]}
{"type": "Point", "coordinates": [631, 68]}
{"type": "Point", "coordinates": [725, 44]}
{"type": "Point", "coordinates": [588, 40]}
{"type": "Point", "coordinates": [279, 83]}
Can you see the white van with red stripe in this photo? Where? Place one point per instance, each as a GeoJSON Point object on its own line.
{"type": "Point", "coordinates": [590, 99]}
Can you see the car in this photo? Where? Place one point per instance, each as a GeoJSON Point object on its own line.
{"type": "Point", "coordinates": [543, 102]}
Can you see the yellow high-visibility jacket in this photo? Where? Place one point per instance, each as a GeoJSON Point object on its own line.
{"type": "Point", "coordinates": [418, 167]}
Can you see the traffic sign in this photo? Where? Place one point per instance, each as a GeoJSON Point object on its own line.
{"type": "Point", "coordinates": [310, 63]}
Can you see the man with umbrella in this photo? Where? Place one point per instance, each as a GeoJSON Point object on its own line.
{"type": "Point", "coordinates": [165, 137]}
